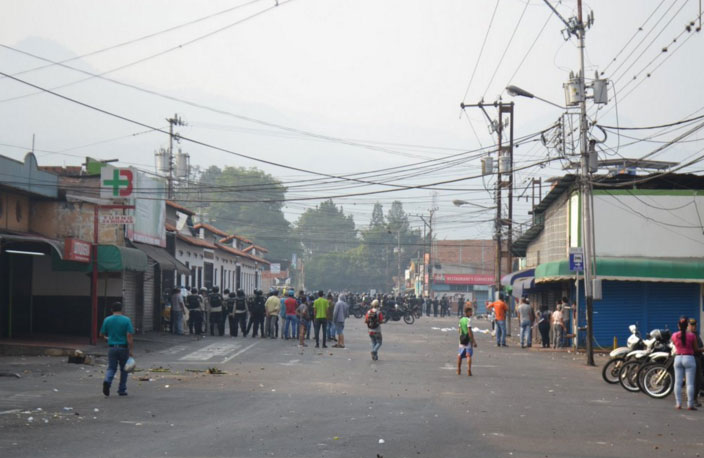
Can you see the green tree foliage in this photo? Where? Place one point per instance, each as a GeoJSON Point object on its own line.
{"type": "Point", "coordinates": [326, 229]}
{"type": "Point", "coordinates": [262, 221]}
{"type": "Point", "coordinates": [374, 263]}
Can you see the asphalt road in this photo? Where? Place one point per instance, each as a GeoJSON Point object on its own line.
{"type": "Point", "coordinates": [278, 400]}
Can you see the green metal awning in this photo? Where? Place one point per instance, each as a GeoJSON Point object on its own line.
{"type": "Point", "coordinates": [111, 258]}
{"type": "Point", "coordinates": [629, 269]}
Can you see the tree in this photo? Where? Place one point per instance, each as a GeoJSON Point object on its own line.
{"type": "Point", "coordinates": [249, 202]}
{"type": "Point", "coordinates": [326, 229]}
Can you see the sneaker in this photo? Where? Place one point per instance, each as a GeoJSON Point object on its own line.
{"type": "Point", "coordinates": [325, 346]}
{"type": "Point", "coordinates": [123, 393]}
{"type": "Point", "coordinates": [106, 388]}
{"type": "Point", "coordinates": [469, 373]}
{"type": "Point", "coordinates": [373, 358]}
{"type": "Point", "coordinates": [317, 346]}
{"type": "Point", "coordinates": [692, 408]}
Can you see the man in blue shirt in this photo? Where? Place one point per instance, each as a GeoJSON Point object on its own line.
{"type": "Point", "coordinates": [118, 331]}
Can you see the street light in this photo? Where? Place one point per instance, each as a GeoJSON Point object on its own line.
{"type": "Point", "coordinates": [459, 203]}
{"type": "Point", "coordinates": [516, 91]}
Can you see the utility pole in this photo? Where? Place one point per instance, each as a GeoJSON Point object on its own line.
{"type": "Point", "coordinates": [398, 257]}
{"type": "Point", "coordinates": [504, 170]}
{"type": "Point", "coordinates": [578, 96]}
{"type": "Point", "coordinates": [175, 121]}
{"type": "Point", "coordinates": [587, 221]}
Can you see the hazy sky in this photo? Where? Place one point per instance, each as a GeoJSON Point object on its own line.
{"type": "Point", "coordinates": [340, 87]}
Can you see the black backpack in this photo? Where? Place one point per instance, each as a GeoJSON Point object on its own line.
{"type": "Point", "coordinates": [192, 302]}
{"type": "Point", "coordinates": [373, 320]}
{"type": "Point", "coordinates": [215, 300]}
{"type": "Point", "coordinates": [241, 304]}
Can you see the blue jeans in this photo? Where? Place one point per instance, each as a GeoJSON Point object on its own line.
{"type": "Point", "coordinates": [291, 320]}
{"type": "Point", "coordinates": [331, 330]}
{"type": "Point", "coordinates": [685, 367]}
{"type": "Point", "coordinates": [526, 333]}
{"type": "Point", "coordinates": [500, 332]}
{"type": "Point", "coordinates": [117, 355]}
{"type": "Point", "coordinates": [178, 322]}
{"type": "Point", "coordinates": [376, 342]}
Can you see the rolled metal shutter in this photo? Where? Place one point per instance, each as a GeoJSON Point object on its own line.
{"type": "Point", "coordinates": [129, 297]}
{"type": "Point", "coordinates": [650, 305]}
{"type": "Point", "coordinates": [149, 287]}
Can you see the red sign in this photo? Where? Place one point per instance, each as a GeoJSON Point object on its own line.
{"type": "Point", "coordinates": [464, 279]}
{"type": "Point", "coordinates": [76, 250]}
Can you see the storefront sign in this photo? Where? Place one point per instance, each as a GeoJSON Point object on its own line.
{"type": "Point", "coordinates": [76, 250]}
{"type": "Point", "coordinates": [464, 279]}
{"type": "Point", "coordinates": [116, 183]}
{"type": "Point", "coordinates": [116, 219]}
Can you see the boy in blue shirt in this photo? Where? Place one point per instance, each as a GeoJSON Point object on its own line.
{"type": "Point", "coordinates": [118, 331]}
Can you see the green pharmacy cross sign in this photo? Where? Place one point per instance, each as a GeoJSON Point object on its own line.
{"type": "Point", "coordinates": [116, 183]}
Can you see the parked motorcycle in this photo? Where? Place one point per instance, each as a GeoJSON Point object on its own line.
{"type": "Point", "coordinates": [658, 341]}
{"type": "Point", "coordinates": [618, 356]}
{"type": "Point", "coordinates": [395, 312]}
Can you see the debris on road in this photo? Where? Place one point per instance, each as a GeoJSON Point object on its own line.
{"type": "Point", "coordinates": [216, 371]}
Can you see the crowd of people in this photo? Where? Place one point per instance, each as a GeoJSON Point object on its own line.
{"type": "Point", "coordinates": [281, 314]}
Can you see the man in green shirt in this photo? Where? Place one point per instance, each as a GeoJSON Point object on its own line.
{"type": "Point", "coordinates": [467, 342]}
{"type": "Point", "coordinates": [320, 305]}
{"type": "Point", "coordinates": [118, 331]}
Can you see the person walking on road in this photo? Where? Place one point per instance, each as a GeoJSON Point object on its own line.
{"type": "Point", "coordinates": [338, 317]}
{"type": "Point", "coordinates": [119, 332]}
{"type": "Point", "coordinates": [526, 318]}
{"type": "Point", "coordinates": [272, 306]}
{"type": "Point", "coordinates": [685, 365]}
{"type": "Point", "coordinates": [558, 326]}
{"type": "Point", "coordinates": [467, 342]}
{"type": "Point", "coordinates": [321, 318]}
{"type": "Point", "coordinates": [500, 310]}
{"type": "Point", "coordinates": [373, 320]}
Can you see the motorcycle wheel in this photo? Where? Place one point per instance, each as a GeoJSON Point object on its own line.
{"type": "Point", "coordinates": [611, 369]}
{"type": "Point", "coordinates": [417, 314]}
{"type": "Point", "coordinates": [358, 313]}
{"type": "Point", "coordinates": [641, 374]}
{"type": "Point", "coordinates": [386, 318]}
{"type": "Point", "coordinates": [628, 376]}
{"type": "Point", "coordinates": [408, 318]}
{"type": "Point", "coordinates": [658, 381]}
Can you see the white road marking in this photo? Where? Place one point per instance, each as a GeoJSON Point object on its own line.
{"type": "Point", "coordinates": [5, 412]}
{"type": "Point", "coordinates": [173, 350]}
{"type": "Point", "coordinates": [292, 362]}
{"type": "Point", "coordinates": [238, 353]}
{"type": "Point", "coordinates": [210, 351]}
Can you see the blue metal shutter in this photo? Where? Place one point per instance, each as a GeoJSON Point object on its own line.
{"type": "Point", "coordinates": [650, 305]}
{"type": "Point", "coordinates": [623, 305]}
{"type": "Point", "coordinates": [668, 301]}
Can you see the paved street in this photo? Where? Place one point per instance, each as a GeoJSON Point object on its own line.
{"type": "Point", "coordinates": [276, 400]}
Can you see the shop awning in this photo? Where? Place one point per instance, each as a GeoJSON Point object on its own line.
{"type": "Point", "coordinates": [31, 239]}
{"type": "Point", "coordinates": [111, 258]}
{"type": "Point", "coordinates": [509, 279]}
{"type": "Point", "coordinates": [163, 258]}
{"type": "Point", "coordinates": [521, 285]}
{"type": "Point", "coordinates": [629, 269]}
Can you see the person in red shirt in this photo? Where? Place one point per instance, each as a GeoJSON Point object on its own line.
{"type": "Point", "coordinates": [291, 304]}
{"type": "Point", "coordinates": [500, 310]}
